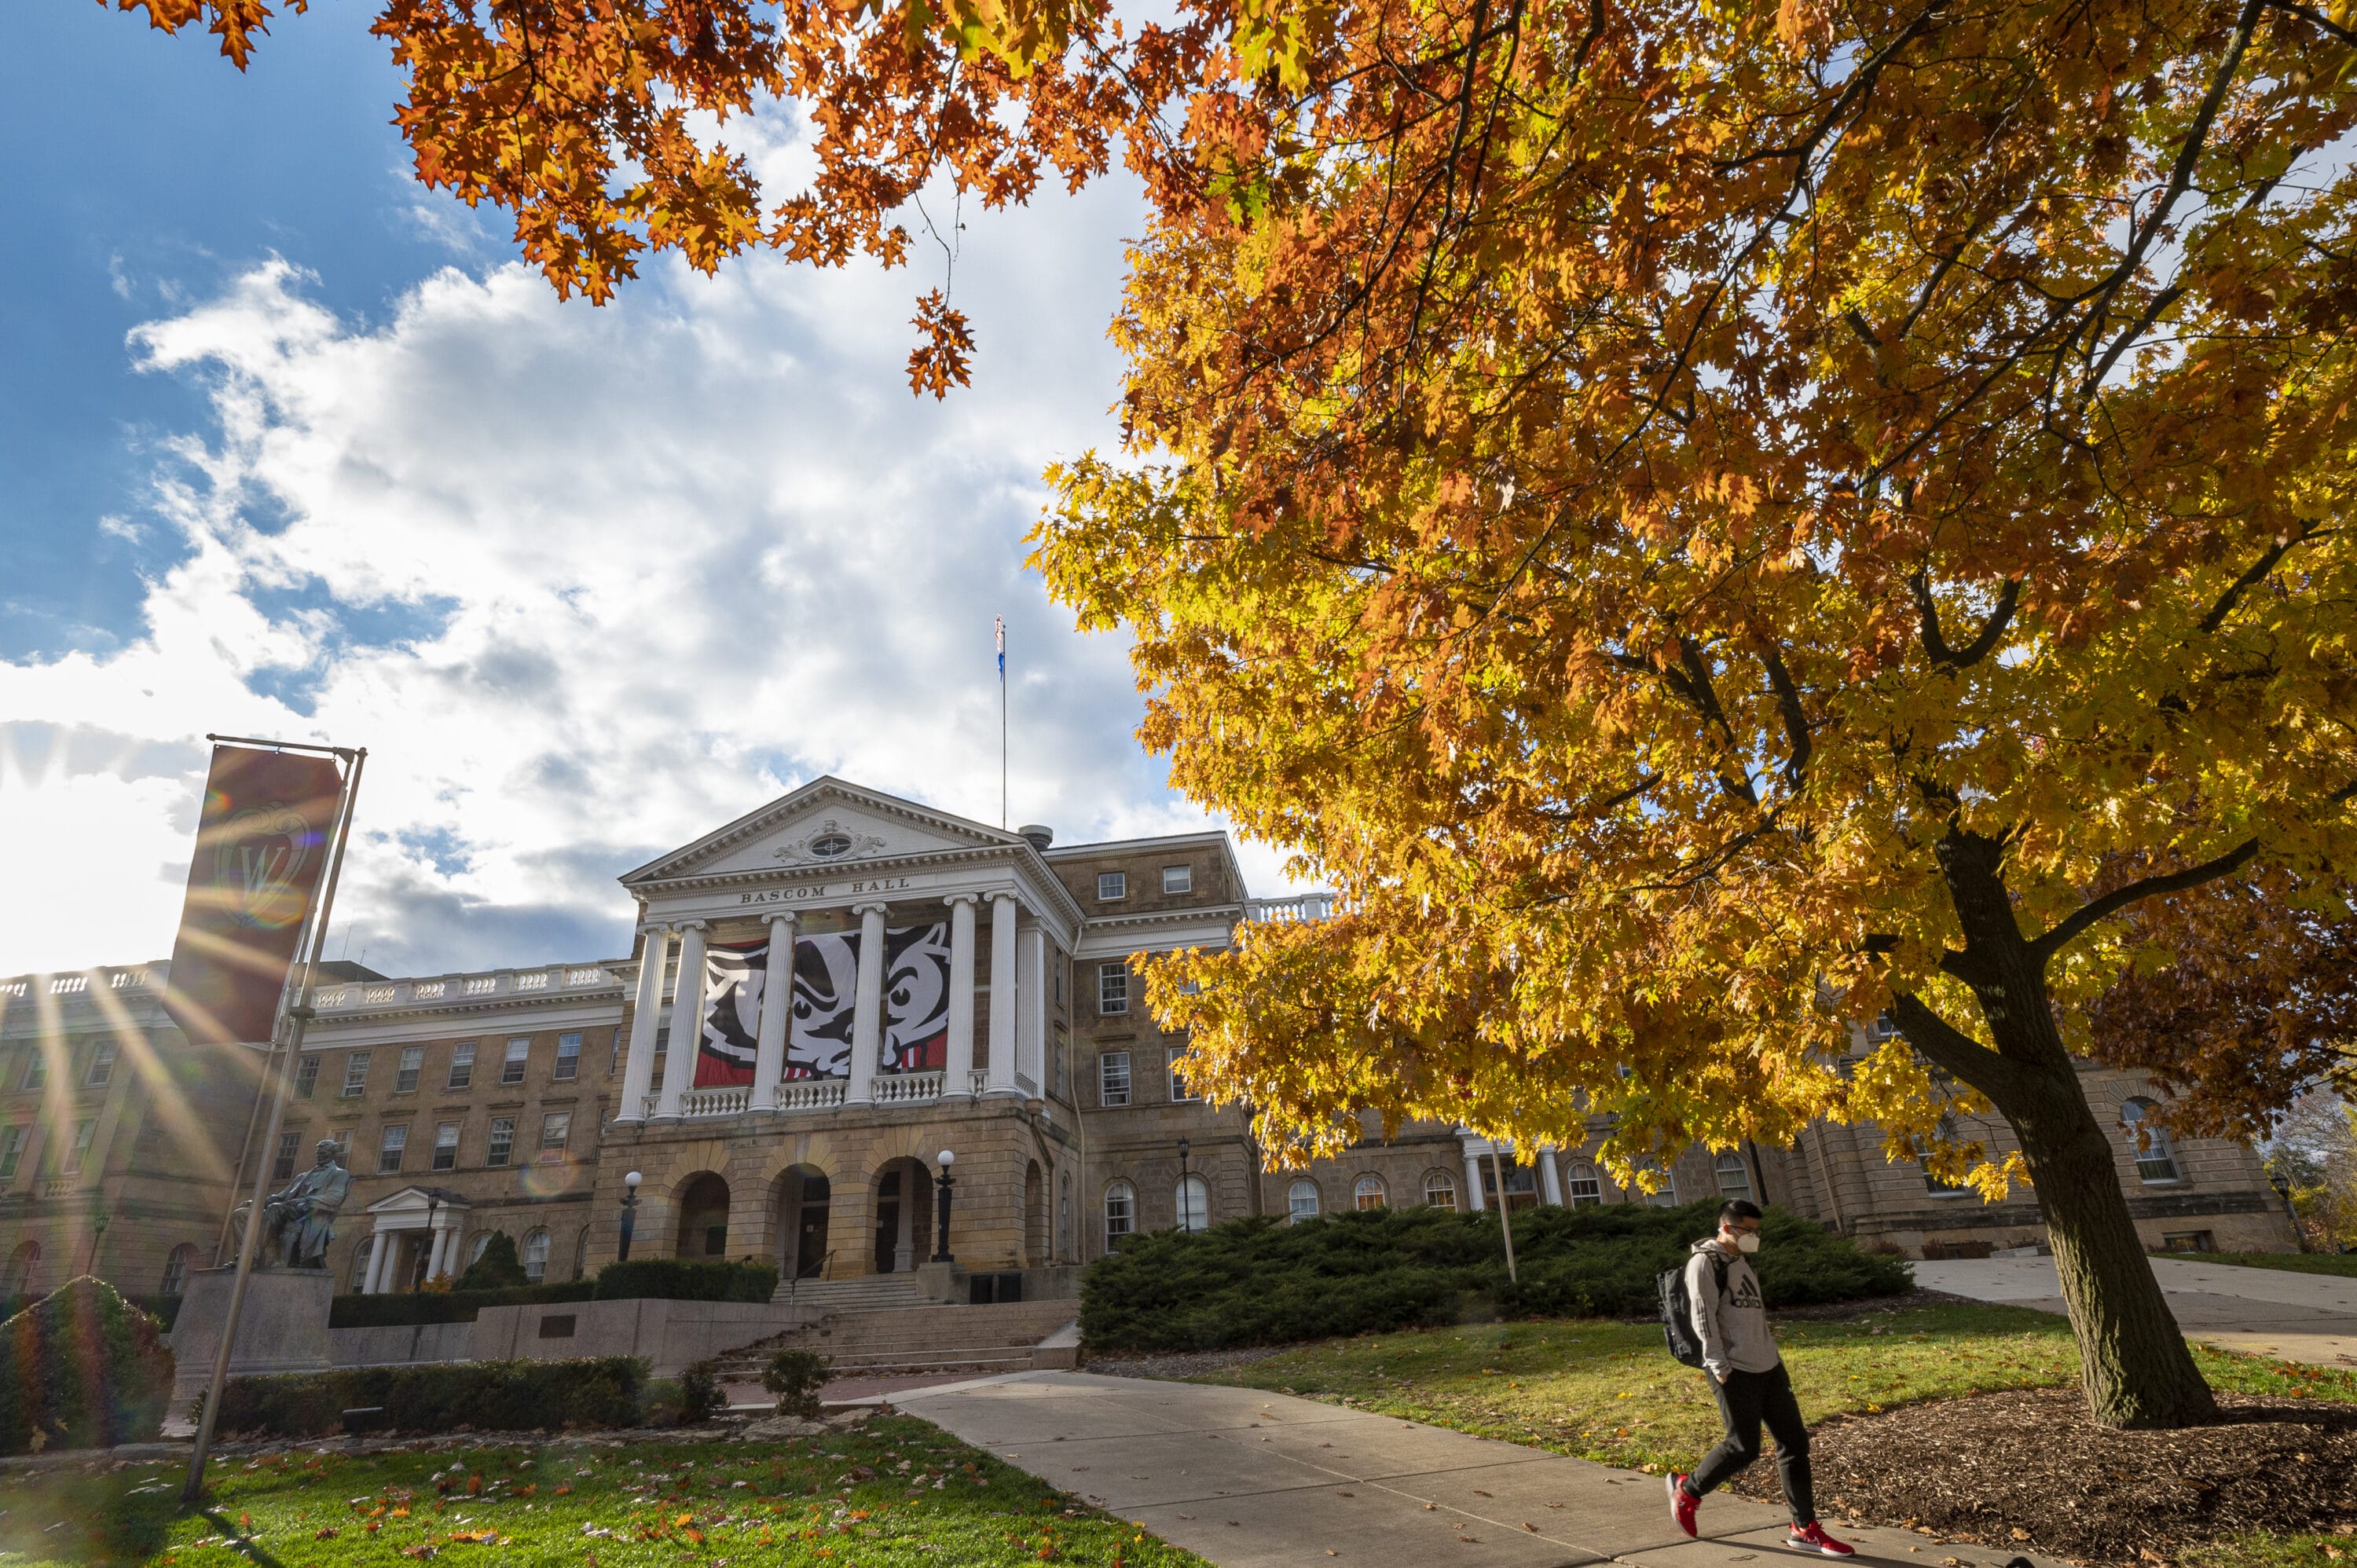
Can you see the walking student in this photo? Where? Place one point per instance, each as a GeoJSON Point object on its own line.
{"type": "Point", "coordinates": [1747, 1379]}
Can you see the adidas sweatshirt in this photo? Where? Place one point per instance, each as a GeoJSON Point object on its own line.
{"type": "Point", "coordinates": [1733, 1329]}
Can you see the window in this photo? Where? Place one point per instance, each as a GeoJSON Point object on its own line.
{"type": "Point", "coordinates": [462, 1065]}
{"type": "Point", "coordinates": [80, 1150]}
{"type": "Point", "coordinates": [2188, 1241]}
{"type": "Point", "coordinates": [512, 1065]}
{"type": "Point", "coordinates": [555, 1128]}
{"type": "Point", "coordinates": [1587, 1187]}
{"type": "Point", "coordinates": [1666, 1195]}
{"type": "Point", "coordinates": [413, 1062]}
{"type": "Point", "coordinates": [355, 1075]}
{"type": "Point", "coordinates": [343, 1138]}
{"type": "Point", "coordinates": [1112, 988]}
{"type": "Point", "coordinates": [1112, 1079]}
{"type": "Point", "coordinates": [445, 1146]}
{"type": "Point", "coordinates": [1179, 1087]}
{"type": "Point", "coordinates": [1734, 1177]}
{"type": "Point", "coordinates": [388, 1152]}
{"type": "Point", "coordinates": [24, 1268]}
{"type": "Point", "coordinates": [1440, 1189]}
{"type": "Point", "coordinates": [37, 1069]}
{"type": "Point", "coordinates": [1121, 1212]}
{"type": "Point", "coordinates": [1113, 884]}
{"type": "Point", "coordinates": [307, 1076]}
{"type": "Point", "coordinates": [282, 1165]}
{"type": "Point", "coordinates": [502, 1139]}
{"type": "Point", "coordinates": [101, 1065]}
{"type": "Point", "coordinates": [2148, 1141]}
{"type": "Point", "coordinates": [1178, 879]}
{"type": "Point", "coordinates": [1194, 1203]}
{"type": "Point", "coordinates": [12, 1149]}
{"type": "Point", "coordinates": [535, 1256]}
{"type": "Point", "coordinates": [474, 1250]}
{"type": "Point", "coordinates": [569, 1056]}
{"type": "Point", "coordinates": [361, 1256]}
{"type": "Point", "coordinates": [1522, 1183]}
{"type": "Point", "coordinates": [1301, 1201]}
{"type": "Point", "coordinates": [1937, 1185]}
{"type": "Point", "coordinates": [1060, 1069]}
{"type": "Point", "coordinates": [1367, 1192]}
{"type": "Point", "coordinates": [176, 1269]}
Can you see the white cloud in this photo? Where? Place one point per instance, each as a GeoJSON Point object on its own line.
{"type": "Point", "coordinates": [588, 583]}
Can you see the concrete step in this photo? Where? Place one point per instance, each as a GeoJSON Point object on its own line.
{"type": "Point", "coordinates": [748, 1369]}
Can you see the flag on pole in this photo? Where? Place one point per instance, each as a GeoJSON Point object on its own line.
{"type": "Point", "coordinates": [998, 626]}
{"type": "Point", "coordinates": [261, 842]}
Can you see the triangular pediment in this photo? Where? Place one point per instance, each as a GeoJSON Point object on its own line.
{"type": "Point", "coordinates": [824, 823]}
{"type": "Point", "coordinates": [418, 1199]}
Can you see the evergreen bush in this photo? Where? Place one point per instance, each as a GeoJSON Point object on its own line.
{"type": "Point", "coordinates": [498, 1269]}
{"type": "Point", "coordinates": [1262, 1281]}
{"type": "Point", "coordinates": [486, 1396]}
{"type": "Point", "coordinates": [700, 1398]}
{"type": "Point", "coordinates": [796, 1377]}
{"type": "Point", "coordinates": [687, 1279]}
{"type": "Point", "coordinates": [81, 1368]}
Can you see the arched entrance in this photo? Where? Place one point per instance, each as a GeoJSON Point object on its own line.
{"type": "Point", "coordinates": [904, 1216]}
{"type": "Point", "coordinates": [802, 1194]}
{"type": "Point", "coordinates": [1035, 1217]}
{"type": "Point", "coordinates": [703, 1218]}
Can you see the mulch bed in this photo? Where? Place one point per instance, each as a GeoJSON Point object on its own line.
{"type": "Point", "coordinates": [2028, 1470]}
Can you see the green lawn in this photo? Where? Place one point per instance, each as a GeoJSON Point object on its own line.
{"type": "Point", "coordinates": [2344, 1263]}
{"type": "Point", "coordinates": [895, 1492]}
{"type": "Point", "coordinates": [1607, 1391]}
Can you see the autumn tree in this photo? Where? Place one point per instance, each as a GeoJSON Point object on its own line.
{"type": "Point", "coordinates": [1712, 523]}
{"type": "Point", "coordinates": [1705, 522]}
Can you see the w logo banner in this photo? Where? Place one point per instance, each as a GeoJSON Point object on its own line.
{"type": "Point", "coordinates": [261, 842]}
{"type": "Point", "coordinates": [734, 977]}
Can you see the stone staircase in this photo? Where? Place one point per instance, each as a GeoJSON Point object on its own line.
{"type": "Point", "coordinates": [873, 1292]}
{"type": "Point", "coordinates": [889, 1338]}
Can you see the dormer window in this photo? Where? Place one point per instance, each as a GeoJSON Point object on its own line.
{"type": "Point", "coordinates": [1112, 884]}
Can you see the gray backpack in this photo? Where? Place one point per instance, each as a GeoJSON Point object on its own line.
{"type": "Point", "coordinates": [1677, 1311]}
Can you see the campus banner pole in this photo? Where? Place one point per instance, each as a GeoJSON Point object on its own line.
{"type": "Point", "coordinates": [279, 1085]}
{"type": "Point", "coordinates": [1506, 1213]}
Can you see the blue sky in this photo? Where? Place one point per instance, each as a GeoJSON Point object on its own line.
{"type": "Point", "coordinates": [289, 445]}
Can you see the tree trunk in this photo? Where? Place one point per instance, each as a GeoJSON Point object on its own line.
{"type": "Point", "coordinates": [2132, 1360]}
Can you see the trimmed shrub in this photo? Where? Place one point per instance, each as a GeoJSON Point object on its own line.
{"type": "Point", "coordinates": [796, 1377]}
{"type": "Point", "coordinates": [81, 1368]}
{"type": "Point", "coordinates": [486, 1396]}
{"type": "Point", "coordinates": [1262, 1281]}
{"type": "Point", "coordinates": [685, 1279]}
{"type": "Point", "coordinates": [700, 1398]}
{"type": "Point", "coordinates": [164, 1309]}
{"type": "Point", "coordinates": [444, 1307]}
{"type": "Point", "coordinates": [498, 1269]}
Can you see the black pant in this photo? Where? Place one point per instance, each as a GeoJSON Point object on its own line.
{"type": "Point", "coordinates": [1745, 1400]}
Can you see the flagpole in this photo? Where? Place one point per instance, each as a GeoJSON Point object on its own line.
{"type": "Point", "coordinates": [1002, 724]}
{"type": "Point", "coordinates": [279, 1087]}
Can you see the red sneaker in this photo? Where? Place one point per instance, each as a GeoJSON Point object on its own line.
{"type": "Point", "coordinates": [1683, 1504]}
{"type": "Point", "coordinates": [1812, 1537]}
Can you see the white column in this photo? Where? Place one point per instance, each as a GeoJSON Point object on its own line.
{"type": "Point", "coordinates": [379, 1251]}
{"type": "Point", "coordinates": [686, 1021]}
{"type": "Point", "coordinates": [1002, 995]}
{"type": "Point", "coordinates": [777, 1011]}
{"type": "Point", "coordinates": [434, 1257]}
{"type": "Point", "coordinates": [1031, 1007]}
{"type": "Point", "coordinates": [639, 1066]}
{"type": "Point", "coordinates": [957, 1080]}
{"type": "Point", "coordinates": [1473, 1179]}
{"type": "Point", "coordinates": [867, 1022]}
{"type": "Point", "coordinates": [1550, 1179]}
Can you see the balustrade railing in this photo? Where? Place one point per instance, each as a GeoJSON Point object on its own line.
{"type": "Point", "coordinates": [906, 1088]}
{"type": "Point", "coordinates": [811, 1094]}
{"type": "Point", "coordinates": [498, 983]}
{"type": "Point", "coordinates": [981, 1077]}
{"type": "Point", "coordinates": [1301, 907]}
{"type": "Point", "coordinates": [728, 1102]}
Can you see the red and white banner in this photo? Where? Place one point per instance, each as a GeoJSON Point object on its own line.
{"type": "Point", "coordinates": [819, 1027]}
{"type": "Point", "coordinates": [261, 842]}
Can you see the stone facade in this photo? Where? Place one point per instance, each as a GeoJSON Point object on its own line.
{"type": "Point", "coordinates": [510, 1099]}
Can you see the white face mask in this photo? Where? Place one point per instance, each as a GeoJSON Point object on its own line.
{"type": "Point", "coordinates": [1748, 1242]}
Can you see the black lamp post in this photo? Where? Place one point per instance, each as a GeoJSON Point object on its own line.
{"type": "Point", "coordinates": [97, 1236]}
{"type": "Point", "coordinates": [1183, 1216]}
{"type": "Point", "coordinates": [943, 1183]}
{"type": "Point", "coordinates": [2282, 1184]}
{"type": "Point", "coordinates": [629, 1211]}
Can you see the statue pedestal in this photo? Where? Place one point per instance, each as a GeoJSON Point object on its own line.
{"type": "Point", "coordinates": [283, 1329]}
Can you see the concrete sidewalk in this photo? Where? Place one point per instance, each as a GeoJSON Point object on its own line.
{"type": "Point", "coordinates": [1258, 1480]}
{"type": "Point", "coordinates": [2273, 1312]}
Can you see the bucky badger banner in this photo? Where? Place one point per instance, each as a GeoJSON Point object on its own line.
{"type": "Point", "coordinates": [733, 981]}
{"type": "Point", "coordinates": [826, 985]}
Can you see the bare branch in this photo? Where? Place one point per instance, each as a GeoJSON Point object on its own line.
{"type": "Point", "coordinates": [2119, 899]}
{"type": "Point", "coordinates": [1935, 641]}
